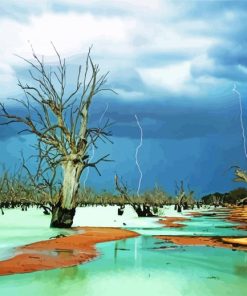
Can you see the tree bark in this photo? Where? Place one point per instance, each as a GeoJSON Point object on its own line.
{"type": "Point", "coordinates": [64, 211]}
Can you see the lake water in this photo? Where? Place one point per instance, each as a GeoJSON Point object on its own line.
{"type": "Point", "coordinates": [142, 266]}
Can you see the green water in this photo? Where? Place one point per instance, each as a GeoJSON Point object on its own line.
{"type": "Point", "coordinates": [137, 266]}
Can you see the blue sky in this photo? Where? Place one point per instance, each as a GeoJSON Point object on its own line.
{"type": "Point", "coordinates": [173, 63]}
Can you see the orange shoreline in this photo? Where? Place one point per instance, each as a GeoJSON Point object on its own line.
{"type": "Point", "coordinates": [235, 214]}
{"type": "Point", "coordinates": [195, 214]}
{"type": "Point", "coordinates": [235, 243]}
{"type": "Point", "coordinates": [62, 252]}
{"type": "Point", "coordinates": [239, 215]}
{"type": "Point", "coordinates": [172, 221]}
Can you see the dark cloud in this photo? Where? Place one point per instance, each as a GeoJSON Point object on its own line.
{"type": "Point", "coordinates": [11, 130]}
{"type": "Point", "coordinates": [126, 79]}
{"type": "Point", "coordinates": [6, 132]}
{"type": "Point", "coordinates": [173, 119]}
{"type": "Point", "coordinates": [166, 115]}
{"type": "Point", "coordinates": [213, 8]}
{"type": "Point", "coordinates": [221, 71]}
{"type": "Point", "coordinates": [230, 54]}
{"type": "Point", "coordinates": [164, 118]}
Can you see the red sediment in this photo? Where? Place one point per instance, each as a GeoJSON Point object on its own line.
{"type": "Point", "coordinates": [242, 227]}
{"type": "Point", "coordinates": [231, 243]}
{"type": "Point", "coordinates": [195, 214]}
{"type": "Point", "coordinates": [172, 221]}
{"type": "Point", "coordinates": [61, 252]}
{"type": "Point", "coordinates": [235, 214]}
{"type": "Point", "coordinates": [239, 215]}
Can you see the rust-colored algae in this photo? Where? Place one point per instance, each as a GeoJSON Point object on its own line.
{"type": "Point", "coordinates": [61, 252]}
{"type": "Point", "coordinates": [239, 215]}
{"type": "Point", "coordinates": [172, 221]}
{"type": "Point", "coordinates": [195, 214]}
{"type": "Point", "coordinates": [236, 214]}
{"type": "Point", "coordinates": [231, 243]}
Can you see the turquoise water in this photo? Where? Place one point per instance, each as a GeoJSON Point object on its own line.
{"type": "Point", "coordinates": [137, 266]}
{"type": "Point", "coordinates": [141, 266]}
{"type": "Point", "coordinates": [199, 226]}
{"type": "Point", "coordinates": [19, 228]}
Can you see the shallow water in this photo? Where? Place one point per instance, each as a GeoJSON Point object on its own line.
{"type": "Point", "coordinates": [137, 266]}
{"type": "Point", "coordinates": [199, 226]}
{"type": "Point", "coordinates": [141, 266]}
{"type": "Point", "coordinates": [19, 228]}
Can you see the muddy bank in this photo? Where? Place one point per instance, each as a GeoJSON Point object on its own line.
{"type": "Point", "coordinates": [232, 214]}
{"type": "Point", "coordinates": [61, 252]}
{"type": "Point", "coordinates": [236, 241]}
{"type": "Point", "coordinates": [173, 221]}
{"type": "Point", "coordinates": [216, 213]}
{"type": "Point", "coordinates": [239, 215]}
{"type": "Point", "coordinates": [194, 214]}
{"type": "Point", "coordinates": [231, 243]}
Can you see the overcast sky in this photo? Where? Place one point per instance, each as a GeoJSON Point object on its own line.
{"type": "Point", "coordinates": [173, 63]}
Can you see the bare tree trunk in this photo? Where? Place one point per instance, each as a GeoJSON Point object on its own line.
{"type": "Point", "coordinates": [142, 210]}
{"type": "Point", "coordinates": [48, 97]}
{"type": "Point", "coordinates": [64, 211]}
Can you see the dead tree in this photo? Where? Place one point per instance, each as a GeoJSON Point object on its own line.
{"type": "Point", "coordinates": [242, 202]}
{"type": "Point", "coordinates": [180, 193]}
{"type": "Point", "coordinates": [190, 201]}
{"type": "Point", "coordinates": [241, 176]}
{"type": "Point", "coordinates": [217, 200]}
{"type": "Point", "coordinates": [59, 117]}
{"type": "Point", "coordinates": [141, 210]}
{"type": "Point", "coordinates": [2, 193]}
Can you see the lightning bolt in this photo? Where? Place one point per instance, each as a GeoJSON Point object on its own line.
{"type": "Point", "coordinates": [93, 149]}
{"type": "Point", "coordinates": [103, 114]}
{"type": "Point", "coordinates": [136, 155]}
{"type": "Point", "coordinates": [241, 118]}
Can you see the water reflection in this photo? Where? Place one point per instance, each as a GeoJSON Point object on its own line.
{"type": "Point", "coordinates": [71, 273]}
{"type": "Point", "coordinates": [241, 270]}
{"type": "Point", "coordinates": [115, 251]}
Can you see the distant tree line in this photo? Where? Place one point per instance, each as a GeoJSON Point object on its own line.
{"type": "Point", "coordinates": [232, 197]}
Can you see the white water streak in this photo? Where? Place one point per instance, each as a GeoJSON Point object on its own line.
{"type": "Point", "coordinates": [136, 155]}
{"type": "Point", "coordinates": [93, 149]}
{"type": "Point", "coordinates": [241, 118]}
